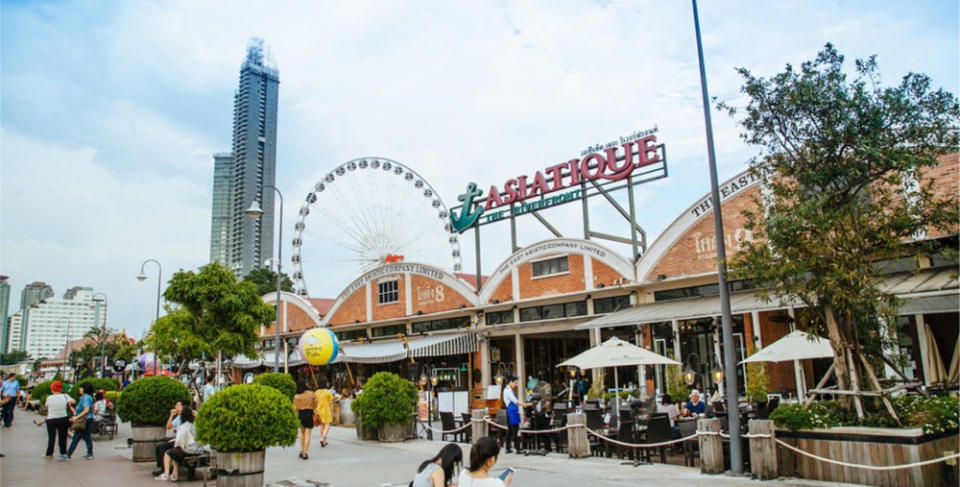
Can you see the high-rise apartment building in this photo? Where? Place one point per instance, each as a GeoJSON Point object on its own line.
{"type": "Point", "coordinates": [4, 312]}
{"type": "Point", "coordinates": [221, 210]}
{"type": "Point", "coordinates": [49, 324]}
{"type": "Point", "coordinates": [255, 159]}
{"type": "Point", "coordinates": [35, 292]}
{"type": "Point", "coordinates": [15, 327]}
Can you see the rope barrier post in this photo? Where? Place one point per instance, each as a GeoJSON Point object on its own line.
{"type": "Point", "coordinates": [478, 428]}
{"type": "Point", "coordinates": [711, 446]}
{"type": "Point", "coordinates": [578, 445]}
{"type": "Point", "coordinates": [763, 450]}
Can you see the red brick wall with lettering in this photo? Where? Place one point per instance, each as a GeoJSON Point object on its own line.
{"type": "Point", "coordinates": [946, 185]}
{"type": "Point", "coordinates": [297, 320]}
{"type": "Point", "coordinates": [553, 285]}
{"type": "Point", "coordinates": [431, 296]}
{"type": "Point", "coordinates": [695, 252]}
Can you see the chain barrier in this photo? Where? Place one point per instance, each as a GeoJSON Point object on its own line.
{"type": "Point", "coordinates": [867, 467]}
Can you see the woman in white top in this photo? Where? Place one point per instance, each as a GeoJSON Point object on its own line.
{"type": "Point", "coordinates": [58, 418]}
{"type": "Point", "coordinates": [184, 445]}
{"type": "Point", "coordinates": [483, 456]}
{"type": "Point", "coordinates": [438, 471]}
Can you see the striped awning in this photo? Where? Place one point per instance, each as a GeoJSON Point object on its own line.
{"type": "Point", "coordinates": [244, 362]}
{"type": "Point", "coordinates": [396, 350]}
{"type": "Point", "coordinates": [440, 345]}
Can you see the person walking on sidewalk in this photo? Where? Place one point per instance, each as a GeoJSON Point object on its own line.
{"type": "Point", "coordinates": [58, 418]}
{"type": "Point", "coordinates": [84, 416]}
{"type": "Point", "coordinates": [305, 403]}
{"type": "Point", "coordinates": [9, 392]}
{"type": "Point", "coordinates": [324, 409]}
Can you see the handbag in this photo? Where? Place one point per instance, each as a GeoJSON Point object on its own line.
{"type": "Point", "coordinates": [316, 420]}
{"type": "Point", "coordinates": [79, 425]}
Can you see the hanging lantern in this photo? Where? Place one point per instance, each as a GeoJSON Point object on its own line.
{"type": "Point", "coordinates": [717, 375]}
{"type": "Point", "coordinates": [689, 376]}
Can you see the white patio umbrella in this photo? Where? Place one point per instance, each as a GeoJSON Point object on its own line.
{"type": "Point", "coordinates": [796, 345]}
{"type": "Point", "coordinates": [616, 353]}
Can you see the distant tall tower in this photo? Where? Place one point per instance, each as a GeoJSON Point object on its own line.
{"type": "Point", "coordinates": [222, 210]}
{"type": "Point", "coordinates": [4, 311]}
{"type": "Point", "coordinates": [35, 292]}
{"type": "Point", "coordinates": [255, 159]}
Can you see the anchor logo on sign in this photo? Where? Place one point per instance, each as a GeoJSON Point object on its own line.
{"type": "Point", "coordinates": [468, 214]}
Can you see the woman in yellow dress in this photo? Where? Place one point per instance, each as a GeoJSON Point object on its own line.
{"type": "Point", "coordinates": [324, 409]}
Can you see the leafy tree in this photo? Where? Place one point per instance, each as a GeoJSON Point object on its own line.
{"type": "Point", "coordinates": [279, 381]}
{"type": "Point", "coordinates": [266, 280]}
{"type": "Point", "coordinates": [758, 382]}
{"type": "Point", "coordinates": [12, 358]}
{"type": "Point", "coordinates": [210, 312]}
{"type": "Point", "coordinates": [844, 163]}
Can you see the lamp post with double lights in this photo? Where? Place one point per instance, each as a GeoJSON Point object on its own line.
{"type": "Point", "coordinates": [256, 212]}
{"type": "Point", "coordinates": [429, 380]}
{"type": "Point", "coordinates": [143, 277]}
{"type": "Point", "coordinates": [103, 342]}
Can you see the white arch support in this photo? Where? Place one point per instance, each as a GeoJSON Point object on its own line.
{"type": "Point", "coordinates": [291, 298]}
{"type": "Point", "coordinates": [555, 247]}
{"type": "Point", "coordinates": [439, 275]}
{"type": "Point", "coordinates": [688, 219]}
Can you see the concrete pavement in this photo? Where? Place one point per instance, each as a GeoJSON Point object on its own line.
{"type": "Point", "coordinates": [346, 462]}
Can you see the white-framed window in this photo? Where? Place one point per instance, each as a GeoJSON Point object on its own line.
{"type": "Point", "coordinates": [547, 267]}
{"type": "Point", "coordinates": [388, 292]}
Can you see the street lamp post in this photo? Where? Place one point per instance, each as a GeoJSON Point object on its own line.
{"type": "Point", "coordinates": [143, 277]}
{"type": "Point", "coordinates": [103, 342]}
{"type": "Point", "coordinates": [256, 212]}
{"type": "Point", "coordinates": [66, 343]}
{"type": "Point", "coordinates": [729, 364]}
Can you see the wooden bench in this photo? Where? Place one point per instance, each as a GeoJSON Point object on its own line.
{"type": "Point", "coordinates": [204, 460]}
{"type": "Point", "coordinates": [107, 426]}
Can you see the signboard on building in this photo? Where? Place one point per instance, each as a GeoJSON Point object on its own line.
{"type": "Point", "coordinates": [627, 161]}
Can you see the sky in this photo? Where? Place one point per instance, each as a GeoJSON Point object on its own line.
{"type": "Point", "coordinates": [110, 111]}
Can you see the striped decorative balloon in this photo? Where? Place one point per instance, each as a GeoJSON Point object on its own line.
{"type": "Point", "coordinates": [319, 346]}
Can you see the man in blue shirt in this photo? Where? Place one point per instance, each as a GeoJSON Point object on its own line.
{"type": "Point", "coordinates": [8, 396]}
{"type": "Point", "coordinates": [694, 405]}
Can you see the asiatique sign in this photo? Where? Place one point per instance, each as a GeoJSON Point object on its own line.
{"type": "Point", "coordinates": [601, 164]}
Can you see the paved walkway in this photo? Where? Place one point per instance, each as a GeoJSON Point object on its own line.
{"type": "Point", "coordinates": [346, 462]}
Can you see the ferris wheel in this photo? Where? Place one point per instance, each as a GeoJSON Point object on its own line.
{"type": "Point", "coordinates": [364, 213]}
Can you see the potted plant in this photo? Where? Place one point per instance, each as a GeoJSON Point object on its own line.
{"type": "Point", "coordinates": [279, 381]}
{"type": "Point", "coordinates": [386, 405]}
{"type": "Point", "coordinates": [678, 390]}
{"type": "Point", "coordinates": [758, 385]}
{"type": "Point", "coordinates": [239, 423]}
{"type": "Point", "coordinates": [146, 404]}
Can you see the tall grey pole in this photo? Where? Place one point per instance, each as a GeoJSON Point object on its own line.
{"type": "Point", "coordinates": [276, 327]}
{"type": "Point", "coordinates": [103, 341]}
{"type": "Point", "coordinates": [729, 364]}
{"type": "Point", "coordinates": [156, 316]}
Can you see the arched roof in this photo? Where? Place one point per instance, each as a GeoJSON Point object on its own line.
{"type": "Point", "coordinates": [701, 209]}
{"type": "Point", "coordinates": [439, 275]}
{"type": "Point", "coordinates": [297, 301]}
{"type": "Point", "coordinates": [550, 247]}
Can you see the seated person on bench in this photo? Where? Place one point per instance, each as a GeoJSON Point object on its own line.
{"type": "Point", "coordinates": [184, 445]}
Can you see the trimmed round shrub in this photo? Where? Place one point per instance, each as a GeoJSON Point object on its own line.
{"type": "Point", "coordinates": [245, 418]}
{"type": "Point", "coordinates": [93, 384]}
{"type": "Point", "coordinates": [279, 381]}
{"type": "Point", "coordinates": [386, 400]}
{"type": "Point", "coordinates": [41, 391]}
{"type": "Point", "coordinates": [148, 401]}
{"type": "Point", "coordinates": [113, 397]}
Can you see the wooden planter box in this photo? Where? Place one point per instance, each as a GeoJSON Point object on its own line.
{"type": "Point", "coordinates": [869, 446]}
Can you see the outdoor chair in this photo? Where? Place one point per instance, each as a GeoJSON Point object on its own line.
{"type": "Point", "coordinates": [658, 430]}
{"type": "Point", "coordinates": [559, 438]}
{"type": "Point", "coordinates": [625, 433]}
{"type": "Point", "coordinates": [447, 423]}
{"type": "Point", "coordinates": [106, 426]}
{"type": "Point", "coordinates": [468, 434]}
{"type": "Point", "coordinates": [594, 419]}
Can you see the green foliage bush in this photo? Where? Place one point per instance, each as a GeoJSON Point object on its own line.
{"type": "Point", "coordinates": [93, 384]}
{"type": "Point", "coordinates": [932, 415]}
{"type": "Point", "coordinates": [386, 400]}
{"type": "Point", "coordinates": [608, 396]}
{"type": "Point", "coordinates": [677, 389]}
{"type": "Point", "coordinates": [758, 382]}
{"type": "Point", "coordinates": [113, 397]}
{"type": "Point", "coordinates": [244, 418]}
{"type": "Point", "coordinates": [279, 381]}
{"type": "Point", "coordinates": [148, 401]}
{"type": "Point", "coordinates": [41, 391]}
